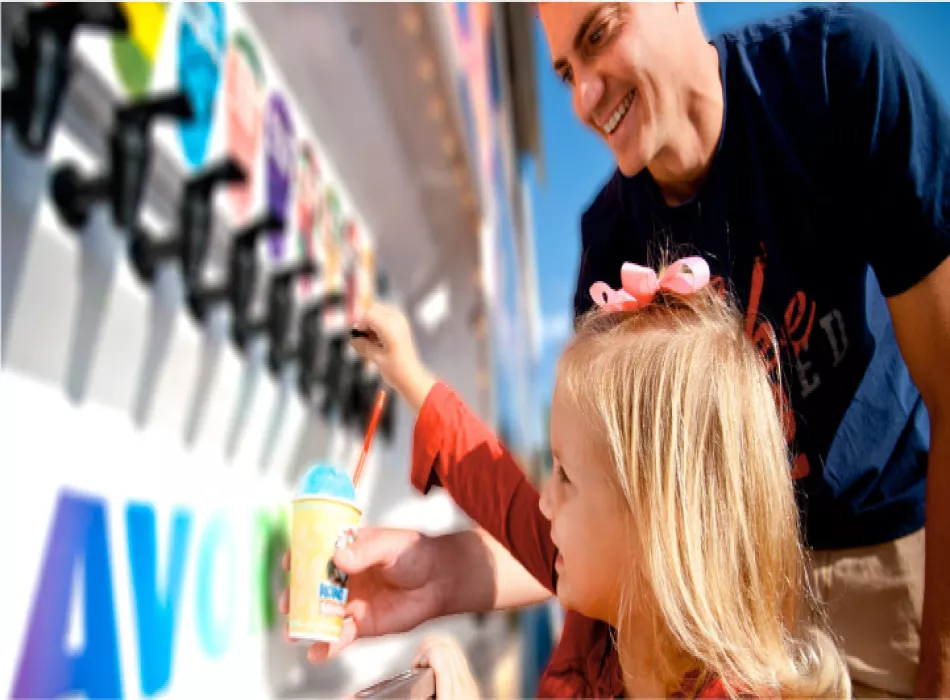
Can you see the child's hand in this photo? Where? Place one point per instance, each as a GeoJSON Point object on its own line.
{"type": "Point", "coordinates": [395, 583]}
{"type": "Point", "coordinates": [453, 677]}
{"type": "Point", "coordinates": [390, 347]}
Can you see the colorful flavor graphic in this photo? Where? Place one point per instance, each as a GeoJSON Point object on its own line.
{"type": "Point", "coordinates": [332, 253]}
{"type": "Point", "coordinates": [201, 38]}
{"type": "Point", "coordinates": [133, 55]}
{"type": "Point", "coordinates": [332, 273]}
{"type": "Point", "coordinates": [350, 276]}
{"type": "Point", "coordinates": [367, 291]}
{"type": "Point", "coordinates": [244, 109]}
{"type": "Point", "coordinates": [335, 211]}
{"type": "Point", "coordinates": [361, 266]}
{"type": "Point", "coordinates": [279, 150]}
{"type": "Point", "coordinates": [308, 180]}
{"type": "Point", "coordinates": [79, 561]}
{"type": "Point", "coordinates": [354, 273]}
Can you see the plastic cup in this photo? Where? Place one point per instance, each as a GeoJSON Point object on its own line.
{"type": "Point", "coordinates": [325, 515]}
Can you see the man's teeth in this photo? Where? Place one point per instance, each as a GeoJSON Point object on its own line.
{"type": "Point", "coordinates": [621, 110]}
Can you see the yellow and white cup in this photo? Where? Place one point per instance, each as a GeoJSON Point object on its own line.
{"type": "Point", "coordinates": [318, 592]}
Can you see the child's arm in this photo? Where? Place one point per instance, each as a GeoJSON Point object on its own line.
{"type": "Point", "coordinates": [453, 449]}
{"type": "Point", "coordinates": [483, 575]}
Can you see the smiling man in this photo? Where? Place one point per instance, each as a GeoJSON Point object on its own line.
{"type": "Point", "coordinates": [795, 155]}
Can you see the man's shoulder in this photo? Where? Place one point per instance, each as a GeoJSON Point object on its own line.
{"type": "Point", "coordinates": [821, 19]}
{"type": "Point", "coordinates": [811, 27]}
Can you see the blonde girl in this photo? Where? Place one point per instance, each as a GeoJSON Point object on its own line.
{"type": "Point", "coordinates": [669, 527]}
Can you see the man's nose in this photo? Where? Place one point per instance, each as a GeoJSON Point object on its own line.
{"type": "Point", "coordinates": [590, 90]}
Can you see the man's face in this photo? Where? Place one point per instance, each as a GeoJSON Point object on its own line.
{"type": "Point", "coordinates": [621, 62]}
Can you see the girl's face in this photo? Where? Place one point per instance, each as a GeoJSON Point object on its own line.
{"type": "Point", "coordinates": [590, 523]}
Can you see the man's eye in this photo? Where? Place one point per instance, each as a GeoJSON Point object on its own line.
{"type": "Point", "coordinates": [595, 36]}
{"type": "Point", "coordinates": [562, 476]}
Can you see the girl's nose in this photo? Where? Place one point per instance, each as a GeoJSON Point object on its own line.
{"type": "Point", "coordinates": [544, 504]}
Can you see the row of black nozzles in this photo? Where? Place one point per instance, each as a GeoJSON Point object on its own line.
{"type": "Point", "coordinates": [41, 49]}
{"type": "Point", "coordinates": [123, 186]}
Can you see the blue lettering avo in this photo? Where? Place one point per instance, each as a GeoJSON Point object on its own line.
{"type": "Point", "coordinates": [156, 607]}
{"type": "Point", "coordinates": [79, 538]}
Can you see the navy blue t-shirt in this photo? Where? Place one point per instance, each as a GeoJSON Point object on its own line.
{"type": "Point", "coordinates": [834, 161]}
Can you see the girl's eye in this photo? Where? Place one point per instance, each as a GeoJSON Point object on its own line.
{"type": "Point", "coordinates": [567, 76]}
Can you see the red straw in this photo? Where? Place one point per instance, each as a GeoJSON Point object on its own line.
{"type": "Point", "coordinates": [374, 419]}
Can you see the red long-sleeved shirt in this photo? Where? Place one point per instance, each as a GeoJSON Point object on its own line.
{"type": "Point", "coordinates": [453, 449]}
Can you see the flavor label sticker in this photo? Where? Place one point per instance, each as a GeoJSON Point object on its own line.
{"type": "Point", "coordinates": [308, 177]}
{"type": "Point", "coordinates": [279, 156]}
{"type": "Point", "coordinates": [201, 37]}
{"type": "Point", "coordinates": [352, 271]}
{"type": "Point", "coordinates": [332, 263]}
{"type": "Point", "coordinates": [368, 288]}
{"type": "Point", "coordinates": [244, 117]}
{"type": "Point", "coordinates": [133, 54]}
{"type": "Point", "coordinates": [335, 214]}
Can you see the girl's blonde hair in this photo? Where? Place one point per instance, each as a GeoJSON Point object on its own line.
{"type": "Point", "coordinates": [693, 428]}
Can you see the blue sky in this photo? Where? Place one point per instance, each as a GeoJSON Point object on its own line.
{"type": "Point", "coordinates": [577, 163]}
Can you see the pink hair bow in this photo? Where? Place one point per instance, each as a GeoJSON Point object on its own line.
{"type": "Point", "coordinates": [640, 284]}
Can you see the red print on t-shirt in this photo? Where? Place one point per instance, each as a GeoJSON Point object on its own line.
{"type": "Point", "coordinates": [794, 335]}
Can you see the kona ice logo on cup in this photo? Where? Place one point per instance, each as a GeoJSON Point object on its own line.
{"type": "Point", "coordinates": [200, 57]}
{"type": "Point", "coordinates": [77, 571]}
{"type": "Point", "coordinates": [279, 147]}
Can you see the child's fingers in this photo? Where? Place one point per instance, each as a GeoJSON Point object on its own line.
{"type": "Point", "coordinates": [348, 635]}
{"type": "Point", "coordinates": [320, 651]}
{"type": "Point", "coordinates": [366, 349]}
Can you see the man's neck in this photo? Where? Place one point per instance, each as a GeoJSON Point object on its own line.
{"type": "Point", "coordinates": [682, 166]}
